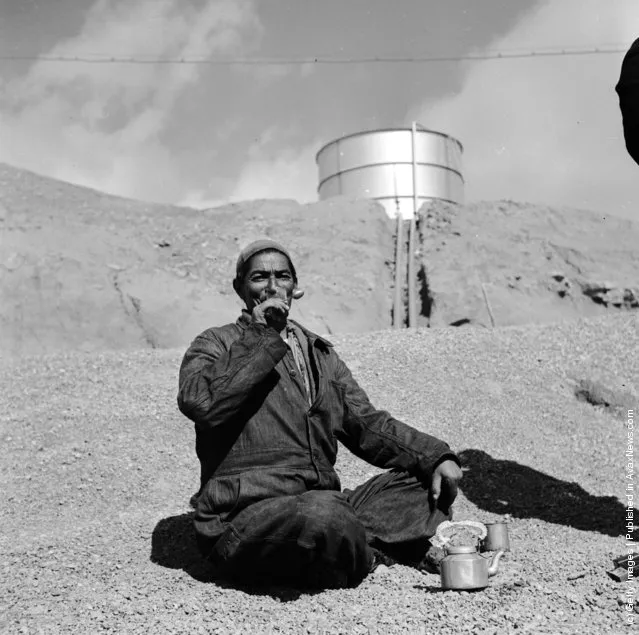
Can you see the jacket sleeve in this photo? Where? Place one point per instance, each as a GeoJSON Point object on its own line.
{"type": "Point", "coordinates": [215, 382]}
{"type": "Point", "coordinates": [628, 91]}
{"type": "Point", "coordinates": [375, 436]}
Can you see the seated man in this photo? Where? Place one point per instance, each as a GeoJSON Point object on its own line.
{"type": "Point", "coordinates": [270, 400]}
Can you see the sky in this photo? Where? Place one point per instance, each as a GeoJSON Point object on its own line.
{"type": "Point", "coordinates": [542, 129]}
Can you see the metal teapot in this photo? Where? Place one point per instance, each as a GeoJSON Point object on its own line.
{"type": "Point", "coordinates": [463, 569]}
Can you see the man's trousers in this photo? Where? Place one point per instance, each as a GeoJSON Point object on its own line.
{"type": "Point", "coordinates": [325, 538]}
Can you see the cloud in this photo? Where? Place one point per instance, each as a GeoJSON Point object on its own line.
{"type": "Point", "coordinates": [102, 125]}
{"type": "Point", "coordinates": [274, 168]}
{"type": "Point", "coordinates": [291, 173]}
{"type": "Point", "coordinates": [548, 129]}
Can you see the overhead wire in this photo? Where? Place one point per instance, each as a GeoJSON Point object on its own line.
{"type": "Point", "coordinates": [485, 55]}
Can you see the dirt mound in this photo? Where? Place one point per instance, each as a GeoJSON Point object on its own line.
{"type": "Point", "coordinates": [82, 270]}
{"type": "Point", "coordinates": [524, 263]}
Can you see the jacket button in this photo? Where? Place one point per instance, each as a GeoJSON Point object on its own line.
{"type": "Point", "coordinates": [292, 373]}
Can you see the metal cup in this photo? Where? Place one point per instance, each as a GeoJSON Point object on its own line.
{"type": "Point", "coordinates": [496, 537]}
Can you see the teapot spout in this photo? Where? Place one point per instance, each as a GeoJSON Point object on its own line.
{"type": "Point", "coordinates": [494, 563]}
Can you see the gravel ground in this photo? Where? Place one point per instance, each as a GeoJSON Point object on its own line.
{"type": "Point", "coordinates": [97, 465]}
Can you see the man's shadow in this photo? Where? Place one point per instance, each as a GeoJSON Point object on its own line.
{"type": "Point", "coordinates": [173, 545]}
{"type": "Point", "coordinates": [506, 487]}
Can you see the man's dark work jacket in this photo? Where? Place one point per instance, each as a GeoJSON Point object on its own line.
{"type": "Point", "coordinates": [256, 436]}
{"type": "Point", "coordinates": [628, 91]}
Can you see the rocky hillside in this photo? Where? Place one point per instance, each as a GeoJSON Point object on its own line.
{"type": "Point", "coordinates": [82, 270]}
{"type": "Point", "coordinates": [524, 264]}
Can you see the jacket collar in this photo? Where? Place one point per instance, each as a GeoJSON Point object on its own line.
{"type": "Point", "coordinates": [245, 319]}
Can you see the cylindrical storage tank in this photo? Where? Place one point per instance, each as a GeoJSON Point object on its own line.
{"type": "Point", "coordinates": [378, 164]}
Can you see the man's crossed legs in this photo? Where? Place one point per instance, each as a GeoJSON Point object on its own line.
{"type": "Point", "coordinates": [324, 538]}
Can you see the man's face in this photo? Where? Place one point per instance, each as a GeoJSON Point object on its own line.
{"type": "Point", "coordinates": [267, 275]}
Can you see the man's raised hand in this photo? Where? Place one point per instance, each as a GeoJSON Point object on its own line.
{"type": "Point", "coordinates": [273, 312]}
